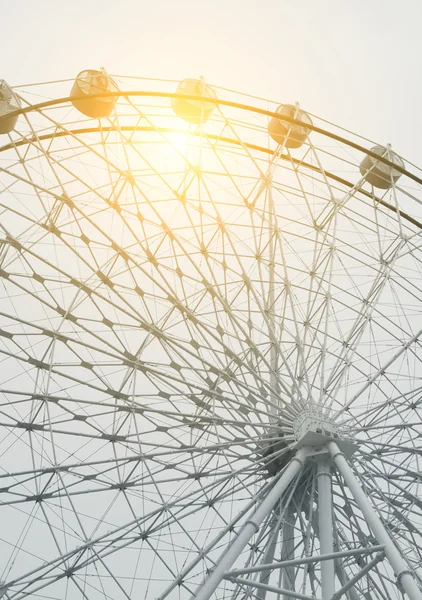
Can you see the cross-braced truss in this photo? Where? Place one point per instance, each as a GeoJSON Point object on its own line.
{"type": "Point", "coordinates": [173, 297]}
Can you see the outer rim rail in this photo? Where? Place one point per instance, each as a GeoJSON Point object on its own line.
{"type": "Point", "coordinates": [217, 102]}
{"type": "Point", "coordinates": [333, 176]}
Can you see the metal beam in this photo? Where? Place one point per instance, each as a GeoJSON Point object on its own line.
{"type": "Point", "coordinates": [269, 556]}
{"type": "Point", "coordinates": [288, 549]}
{"type": "Point", "coordinates": [271, 588]}
{"type": "Point", "coordinates": [36, 108]}
{"type": "Point", "coordinates": [307, 559]}
{"type": "Point", "coordinates": [404, 575]}
{"type": "Point", "coordinates": [340, 570]}
{"type": "Point", "coordinates": [358, 576]}
{"type": "Point", "coordinates": [209, 585]}
{"type": "Point", "coordinates": [325, 521]}
{"type": "Point", "coordinates": [230, 525]}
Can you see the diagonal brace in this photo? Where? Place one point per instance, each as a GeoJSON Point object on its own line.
{"type": "Point", "coordinates": [404, 576]}
{"type": "Point", "coordinates": [210, 584]}
{"type": "Point", "coordinates": [271, 588]}
{"type": "Point", "coordinates": [337, 595]}
{"type": "Point", "coordinates": [305, 560]}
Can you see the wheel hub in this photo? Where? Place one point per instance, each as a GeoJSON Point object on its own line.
{"type": "Point", "coordinates": [313, 428]}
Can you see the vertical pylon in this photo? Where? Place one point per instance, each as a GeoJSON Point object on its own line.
{"type": "Point", "coordinates": [325, 521]}
{"type": "Point", "coordinates": [288, 548]}
{"type": "Point", "coordinates": [330, 555]}
{"type": "Point", "coordinates": [404, 575]}
{"type": "Point", "coordinates": [269, 554]}
{"type": "Point", "coordinates": [251, 527]}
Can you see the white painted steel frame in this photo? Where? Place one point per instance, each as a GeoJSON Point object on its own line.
{"type": "Point", "coordinates": [41, 166]}
{"type": "Point", "coordinates": [325, 516]}
{"type": "Point", "coordinates": [404, 574]}
{"type": "Point", "coordinates": [251, 527]}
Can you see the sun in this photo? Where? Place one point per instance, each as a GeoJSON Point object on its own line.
{"type": "Point", "coordinates": [179, 140]}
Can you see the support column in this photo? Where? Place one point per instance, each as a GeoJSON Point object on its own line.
{"type": "Point", "coordinates": [207, 588]}
{"type": "Point", "coordinates": [340, 572]}
{"type": "Point", "coordinates": [288, 549]}
{"type": "Point", "coordinates": [325, 522]}
{"type": "Point", "coordinates": [268, 558]}
{"type": "Point", "coordinates": [403, 574]}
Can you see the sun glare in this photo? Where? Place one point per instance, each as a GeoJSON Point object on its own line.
{"type": "Point", "coordinates": [179, 140]}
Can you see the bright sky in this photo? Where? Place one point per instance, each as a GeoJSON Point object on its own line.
{"type": "Point", "coordinates": [356, 63]}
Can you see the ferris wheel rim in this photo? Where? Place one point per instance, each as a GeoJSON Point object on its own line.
{"type": "Point", "coordinates": [216, 102]}
{"type": "Point", "coordinates": [216, 138]}
{"type": "Point", "coordinates": [238, 442]}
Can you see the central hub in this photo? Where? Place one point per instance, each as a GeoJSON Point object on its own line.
{"type": "Point", "coordinates": [312, 428]}
{"type": "Point", "coordinates": [312, 420]}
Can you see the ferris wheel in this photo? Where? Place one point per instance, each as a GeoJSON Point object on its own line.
{"type": "Point", "coordinates": [210, 345]}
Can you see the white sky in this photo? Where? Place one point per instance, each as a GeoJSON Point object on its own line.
{"type": "Point", "coordinates": [357, 63]}
{"type": "Point", "coordinates": [354, 62]}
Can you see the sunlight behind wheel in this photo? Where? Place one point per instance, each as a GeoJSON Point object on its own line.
{"type": "Point", "coordinates": [210, 348]}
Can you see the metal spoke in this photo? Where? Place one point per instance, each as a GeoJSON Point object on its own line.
{"type": "Point", "coordinates": [189, 301]}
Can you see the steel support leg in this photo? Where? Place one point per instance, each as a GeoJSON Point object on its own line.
{"type": "Point", "coordinates": [209, 547]}
{"type": "Point", "coordinates": [288, 548]}
{"type": "Point", "coordinates": [325, 522]}
{"type": "Point", "coordinates": [339, 568]}
{"type": "Point", "coordinates": [403, 574]}
{"type": "Point", "coordinates": [268, 558]}
{"type": "Point", "coordinates": [207, 588]}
